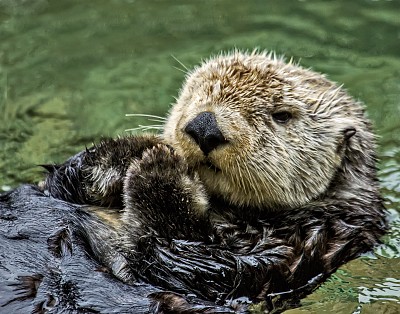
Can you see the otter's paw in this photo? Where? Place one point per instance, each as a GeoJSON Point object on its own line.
{"type": "Point", "coordinates": [163, 160]}
{"type": "Point", "coordinates": [161, 194]}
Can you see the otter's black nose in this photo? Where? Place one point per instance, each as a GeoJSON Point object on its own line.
{"type": "Point", "coordinates": [204, 130]}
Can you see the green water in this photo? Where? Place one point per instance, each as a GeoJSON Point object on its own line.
{"type": "Point", "coordinates": [71, 70]}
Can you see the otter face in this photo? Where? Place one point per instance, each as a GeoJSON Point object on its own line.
{"type": "Point", "coordinates": [260, 132]}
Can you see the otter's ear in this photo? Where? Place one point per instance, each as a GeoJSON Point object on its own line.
{"type": "Point", "coordinates": [349, 132]}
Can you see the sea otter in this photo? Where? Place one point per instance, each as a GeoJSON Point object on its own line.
{"type": "Point", "coordinates": [263, 179]}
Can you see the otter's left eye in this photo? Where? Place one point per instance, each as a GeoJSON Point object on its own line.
{"type": "Point", "coordinates": [282, 116]}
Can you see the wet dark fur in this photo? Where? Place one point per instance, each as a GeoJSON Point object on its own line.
{"type": "Point", "coordinates": [46, 266]}
{"type": "Point", "coordinates": [218, 257]}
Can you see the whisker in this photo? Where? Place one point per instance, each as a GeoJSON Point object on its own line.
{"type": "Point", "coordinates": [179, 69]}
{"type": "Point", "coordinates": [145, 115]}
{"type": "Point", "coordinates": [157, 127]}
{"type": "Point", "coordinates": [184, 66]}
{"type": "Point", "coordinates": [240, 181]}
{"type": "Point", "coordinates": [157, 120]}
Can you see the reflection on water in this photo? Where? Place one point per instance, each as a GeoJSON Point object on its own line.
{"type": "Point", "coordinates": [388, 290]}
{"type": "Point", "coordinates": [71, 70]}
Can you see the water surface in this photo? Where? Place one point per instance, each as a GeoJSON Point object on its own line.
{"type": "Point", "coordinates": [70, 70]}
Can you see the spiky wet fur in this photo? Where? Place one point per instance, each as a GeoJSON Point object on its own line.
{"type": "Point", "coordinates": [282, 203]}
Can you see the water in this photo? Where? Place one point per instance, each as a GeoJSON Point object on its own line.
{"type": "Point", "coordinates": [71, 70]}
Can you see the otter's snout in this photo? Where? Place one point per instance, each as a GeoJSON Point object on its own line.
{"type": "Point", "coordinates": [204, 130]}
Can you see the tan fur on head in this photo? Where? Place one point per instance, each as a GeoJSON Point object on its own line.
{"type": "Point", "coordinates": [265, 163]}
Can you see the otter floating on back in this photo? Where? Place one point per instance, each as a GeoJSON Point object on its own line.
{"type": "Point", "coordinates": [263, 179]}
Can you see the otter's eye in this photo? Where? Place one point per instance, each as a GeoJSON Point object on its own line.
{"type": "Point", "coordinates": [282, 116]}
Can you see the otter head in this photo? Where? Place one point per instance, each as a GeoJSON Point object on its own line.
{"type": "Point", "coordinates": [260, 132]}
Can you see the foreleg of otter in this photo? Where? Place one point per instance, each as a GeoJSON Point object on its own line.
{"type": "Point", "coordinates": [95, 176]}
{"type": "Point", "coordinates": [164, 199]}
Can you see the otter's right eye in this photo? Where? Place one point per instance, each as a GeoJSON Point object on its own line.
{"type": "Point", "coordinates": [282, 116]}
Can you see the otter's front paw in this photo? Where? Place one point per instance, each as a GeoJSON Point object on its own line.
{"type": "Point", "coordinates": [161, 160]}
{"type": "Point", "coordinates": [161, 194]}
